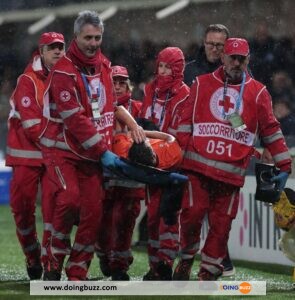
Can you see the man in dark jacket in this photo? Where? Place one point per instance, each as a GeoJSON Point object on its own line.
{"type": "Point", "coordinates": [208, 57]}
{"type": "Point", "coordinates": [207, 61]}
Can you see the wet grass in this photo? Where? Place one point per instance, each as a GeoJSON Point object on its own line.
{"type": "Point", "coordinates": [14, 283]}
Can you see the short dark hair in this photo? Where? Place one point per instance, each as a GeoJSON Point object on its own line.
{"type": "Point", "coordinates": [217, 28]}
{"type": "Point", "coordinates": [142, 153]}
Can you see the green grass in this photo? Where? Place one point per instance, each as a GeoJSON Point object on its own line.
{"type": "Point", "coordinates": [15, 285]}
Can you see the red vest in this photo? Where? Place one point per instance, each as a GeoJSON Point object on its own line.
{"type": "Point", "coordinates": [214, 148]}
{"type": "Point", "coordinates": [133, 106]}
{"type": "Point", "coordinates": [172, 106]}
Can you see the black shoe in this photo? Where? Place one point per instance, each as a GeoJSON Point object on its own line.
{"type": "Point", "coordinates": [104, 266]}
{"type": "Point", "coordinates": [228, 267]}
{"type": "Point", "coordinates": [205, 275]}
{"type": "Point", "coordinates": [34, 270]}
{"type": "Point", "coordinates": [52, 272]}
{"type": "Point", "coordinates": [164, 271]}
{"type": "Point", "coordinates": [120, 276]}
{"type": "Point", "coordinates": [183, 269]}
{"type": "Point", "coordinates": [53, 275]}
{"type": "Point", "coordinates": [151, 275]}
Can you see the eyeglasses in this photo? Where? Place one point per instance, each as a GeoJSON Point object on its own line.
{"type": "Point", "coordinates": [211, 45]}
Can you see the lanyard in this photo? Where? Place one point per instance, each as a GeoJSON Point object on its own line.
{"type": "Point", "coordinates": [129, 108]}
{"type": "Point", "coordinates": [163, 110]}
{"type": "Point", "coordinates": [86, 84]}
{"type": "Point", "coordinates": [239, 97]}
{"type": "Point", "coordinates": [94, 101]}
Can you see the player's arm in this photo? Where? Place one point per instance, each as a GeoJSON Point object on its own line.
{"type": "Point", "coordinates": [124, 117]}
{"type": "Point", "coordinates": [160, 135]}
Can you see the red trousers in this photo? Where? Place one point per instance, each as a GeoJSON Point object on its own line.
{"type": "Point", "coordinates": [77, 190]}
{"type": "Point", "coordinates": [163, 242]}
{"type": "Point", "coordinates": [23, 193]}
{"type": "Point", "coordinates": [121, 207]}
{"type": "Point", "coordinates": [220, 202]}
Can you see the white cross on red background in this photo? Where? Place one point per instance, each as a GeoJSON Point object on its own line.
{"type": "Point", "coordinates": [65, 96]}
{"type": "Point", "coordinates": [26, 101]}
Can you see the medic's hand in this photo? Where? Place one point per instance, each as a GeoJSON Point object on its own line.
{"type": "Point", "coordinates": [266, 157]}
{"type": "Point", "coordinates": [137, 134]}
{"type": "Point", "coordinates": [280, 180]}
{"type": "Point", "coordinates": [108, 160]}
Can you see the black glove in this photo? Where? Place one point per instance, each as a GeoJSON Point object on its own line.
{"type": "Point", "coordinates": [266, 190]}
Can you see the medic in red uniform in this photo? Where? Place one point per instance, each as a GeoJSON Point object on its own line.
{"type": "Point", "coordinates": [23, 149]}
{"type": "Point", "coordinates": [163, 100]}
{"type": "Point", "coordinates": [225, 112]}
{"type": "Point", "coordinates": [121, 205]}
{"type": "Point", "coordinates": [79, 107]}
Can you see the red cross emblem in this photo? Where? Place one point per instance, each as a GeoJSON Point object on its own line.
{"type": "Point", "coordinates": [64, 96]}
{"type": "Point", "coordinates": [226, 104]}
{"type": "Point", "coordinates": [26, 101]}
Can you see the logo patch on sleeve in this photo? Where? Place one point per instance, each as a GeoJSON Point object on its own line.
{"type": "Point", "coordinates": [26, 101]}
{"type": "Point", "coordinates": [64, 96]}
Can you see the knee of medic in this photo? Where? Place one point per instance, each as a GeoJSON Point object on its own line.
{"type": "Point", "coordinates": [70, 199]}
{"type": "Point", "coordinates": [221, 226]}
{"type": "Point", "coordinates": [199, 212]}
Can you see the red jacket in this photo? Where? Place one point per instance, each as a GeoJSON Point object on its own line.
{"type": "Point", "coordinates": [211, 145]}
{"type": "Point", "coordinates": [133, 106]}
{"type": "Point", "coordinates": [172, 106]}
{"type": "Point", "coordinates": [25, 118]}
{"type": "Point", "coordinates": [165, 95]}
{"type": "Point", "coordinates": [70, 127]}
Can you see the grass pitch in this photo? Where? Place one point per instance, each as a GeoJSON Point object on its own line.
{"type": "Point", "coordinates": [14, 282]}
